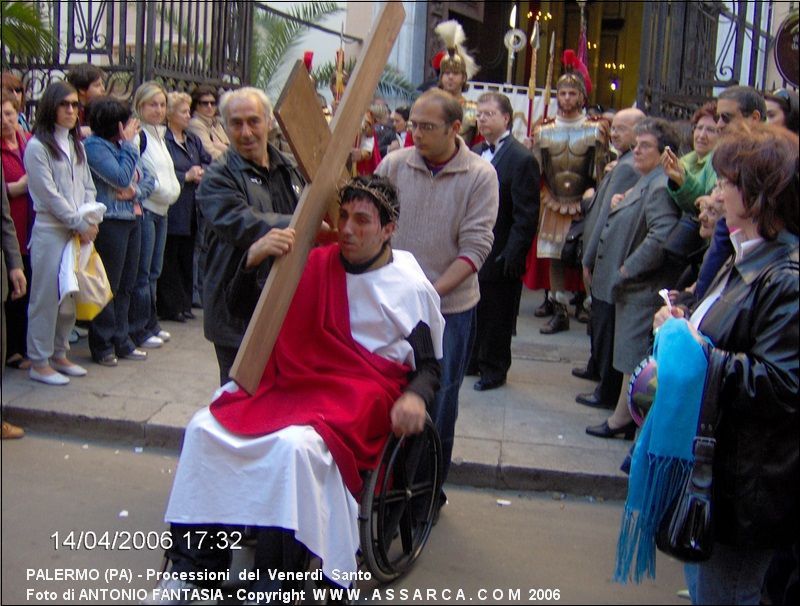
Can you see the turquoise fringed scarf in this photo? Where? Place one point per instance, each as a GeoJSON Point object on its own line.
{"type": "Point", "coordinates": [662, 457]}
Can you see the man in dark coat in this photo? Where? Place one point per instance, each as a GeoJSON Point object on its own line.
{"type": "Point", "coordinates": [247, 192]}
{"type": "Point", "coordinates": [618, 181]}
{"type": "Point", "coordinates": [518, 213]}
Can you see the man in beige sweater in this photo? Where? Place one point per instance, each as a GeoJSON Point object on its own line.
{"type": "Point", "coordinates": [449, 200]}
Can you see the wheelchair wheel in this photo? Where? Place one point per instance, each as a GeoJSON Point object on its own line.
{"type": "Point", "coordinates": [399, 503]}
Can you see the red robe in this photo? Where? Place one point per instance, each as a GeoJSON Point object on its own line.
{"type": "Point", "coordinates": [318, 375]}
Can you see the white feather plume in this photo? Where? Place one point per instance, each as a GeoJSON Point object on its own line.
{"type": "Point", "coordinates": [452, 35]}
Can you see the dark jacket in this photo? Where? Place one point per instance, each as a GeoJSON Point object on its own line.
{"type": "Point", "coordinates": [754, 326]}
{"type": "Point", "coordinates": [518, 210]}
{"type": "Point", "coordinates": [182, 214]}
{"type": "Point", "coordinates": [240, 202]}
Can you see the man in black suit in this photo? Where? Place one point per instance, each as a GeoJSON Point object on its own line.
{"type": "Point", "coordinates": [517, 216]}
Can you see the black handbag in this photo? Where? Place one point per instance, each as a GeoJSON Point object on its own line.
{"type": "Point", "coordinates": [686, 531]}
{"type": "Point", "coordinates": [572, 252]}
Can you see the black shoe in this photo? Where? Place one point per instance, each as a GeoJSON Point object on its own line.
{"type": "Point", "coordinates": [558, 323]}
{"type": "Point", "coordinates": [581, 315]}
{"type": "Point", "coordinates": [583, 373]}
{"type": "Point", "coordinates": [188, 315]}
{"type": "Point", "coordinates": [604, 431]}
{"type": "Point", "coordinates": [589, 399]}
{"type": "Point", "coordinates": [545, 309]}
{"type": "Point", "coordinates": [487, 384]}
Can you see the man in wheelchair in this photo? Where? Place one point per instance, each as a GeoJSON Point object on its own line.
{"type": "Point", "coordinates": [355, 360]}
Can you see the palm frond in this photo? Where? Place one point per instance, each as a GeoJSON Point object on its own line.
{"type": "Point", "coordinates": [25, 33]}
{"type": "Point", "coordinates": [393, 82]}
{"type": "Point", "coordinates": [274, 38]}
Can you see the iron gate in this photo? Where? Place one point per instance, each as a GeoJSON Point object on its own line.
{"type": "Point", "coordinates": [179, 42]}
{"type": "Point", "coordinates": [691, 48]}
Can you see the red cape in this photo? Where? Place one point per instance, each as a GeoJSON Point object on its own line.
{"type": "Point", "coordinates": [318, 375]}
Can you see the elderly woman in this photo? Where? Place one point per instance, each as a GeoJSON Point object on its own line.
{"type": "Point", "coordinates": [150, 106]}
{"type": "Point", "coordinates": [14, 83]}
{"type": "Point", "coordinates": [751, 316]}
{"type": "Point", "coordinates": [693, 175]}
{"type": "Point", "coordinates": [12, 147]}
{"type": "Point", "coordinates": [60, 184]}
{"type": "Point", "coordinates": [630, 256]}
{"type": "Point", "coordinates": [122, 183]}
{"type": "Point", "coordinates": [190, 160]}
{"type": "Point", "coordinates": [205, 122]}
{"type": "Point", "coordinates": [783, 109]}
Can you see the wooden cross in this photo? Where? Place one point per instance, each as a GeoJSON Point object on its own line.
{"type": "Point", "coordinates": [322, 155]}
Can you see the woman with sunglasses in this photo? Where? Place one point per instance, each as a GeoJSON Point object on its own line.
{"type": "Point", "coordinates": [205, 122]}
{"type": "Point", "coordinates": [61, 187]}
{"type": "Point", "coordinates": [783, 109]}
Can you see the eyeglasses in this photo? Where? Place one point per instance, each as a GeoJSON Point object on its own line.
{"type": "Point", "coordinates": [702, 128]}
{"type": "Point", "coordinates": [486, 114]}
{"type": "Point", "coordinates": [211, 103]}
{"type": "Point", "coordinates": [72, 104]}
{"type": "Point", "coordinates": [425, 126]}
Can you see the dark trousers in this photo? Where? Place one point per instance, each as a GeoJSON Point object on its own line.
{"type": "Point", "coordinates": [175, 282]}
{"type": "Point", "coordinates": [118, 244]}
{"type": "Point", "coordinates": [602, 320]}
{"type": "Point", "coordinates": [459, 335]}
{"type": "Point", "coordinates": [225, 357]}
{"type": "Point", "coordinates": [491, 353]}
{"type": "Point", "coordinates": [197, 547]}
{"type": "Point", "coordinates": [17, 318]}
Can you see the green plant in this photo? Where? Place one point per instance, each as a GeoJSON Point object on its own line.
{"type": "Point", "coordinates": [393, 82]}
{"type": "Point", "coordinates": [25, 33]}
{"type": "Point", "coordinates": [274, 37]}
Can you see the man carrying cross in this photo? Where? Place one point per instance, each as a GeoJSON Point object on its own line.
{"type": "Point", "coordinates": [356, 358]}
{"type": "Point", "coordinates": [245, 197]}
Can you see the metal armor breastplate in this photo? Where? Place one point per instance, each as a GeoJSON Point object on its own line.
{"type": "Point", "coordinates": [568, 154]}
{"type": "Point", "coordinates": [470, 120]}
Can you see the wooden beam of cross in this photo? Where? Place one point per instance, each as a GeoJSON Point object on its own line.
{"type": "Point", "coordinates": [305, 128]}
{"type": "Point", "coordinates": [259, 339]}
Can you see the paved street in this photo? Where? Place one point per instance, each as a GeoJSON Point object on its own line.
{"type": "Point", "coordinates": [526, 435]}
{"type": "Point", "coordinates": [492, 553]}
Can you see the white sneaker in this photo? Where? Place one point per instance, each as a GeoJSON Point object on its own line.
{"type": "Point", "coordinates": [55, 378]}
{"type": "Point", "coordinates": [168, 589]}
{"type": "Point", "coordinates": [164, 335]}
{"type": "Point", "coordinates": [152, 343]}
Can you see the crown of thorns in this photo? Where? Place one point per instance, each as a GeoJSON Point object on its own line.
{"type": "Point", "coordinates": [349, 190]}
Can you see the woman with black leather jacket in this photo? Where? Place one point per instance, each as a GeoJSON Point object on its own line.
{"type": "Point", "coordinates": [750, 313]}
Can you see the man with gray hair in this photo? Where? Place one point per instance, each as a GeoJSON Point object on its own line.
{"type": "Point", "coordinates": [247, 195]}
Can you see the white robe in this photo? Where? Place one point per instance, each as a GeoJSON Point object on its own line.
{"type": "Point", "coordinates": [288, 478]}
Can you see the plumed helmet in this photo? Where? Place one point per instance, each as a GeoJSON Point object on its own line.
{"type": "Point", "coordinates": [455, 58]}
{"type": "Point", "coordinates": [576, 75]}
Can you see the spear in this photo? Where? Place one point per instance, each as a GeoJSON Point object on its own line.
{"type": "Point", "coordinates": [532, 79]}
{"type": "Point", "coordinates": [549, 83]}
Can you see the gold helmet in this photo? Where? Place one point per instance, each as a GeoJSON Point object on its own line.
{"type": "Point", "coordinates": [456, 58]}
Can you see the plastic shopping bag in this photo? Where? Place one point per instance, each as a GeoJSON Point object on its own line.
{"type": "Point", "coordinates": [94, 290]}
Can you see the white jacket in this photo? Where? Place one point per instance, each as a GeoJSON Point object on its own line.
{"type": "Point", "coordinates": [157, 160]}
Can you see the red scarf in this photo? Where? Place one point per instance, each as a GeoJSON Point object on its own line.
{"type": "Point", "coordinates": [318, 375]}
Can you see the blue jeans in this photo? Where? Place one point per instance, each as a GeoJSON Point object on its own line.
{"type": "Point", "coordinates": [459, 336]}
{"type": "Point", "coordinates": [143, 318]}
{"type": "Point", "coordinates": [731, 576]}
